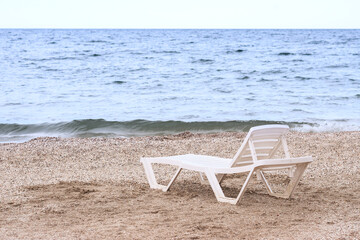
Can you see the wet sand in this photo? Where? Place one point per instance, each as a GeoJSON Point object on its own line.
{"type": "Point", "coordinates": [52, 188]}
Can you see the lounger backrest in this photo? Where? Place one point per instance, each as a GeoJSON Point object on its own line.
{"type": "Point", "coordinates": [261, 143]}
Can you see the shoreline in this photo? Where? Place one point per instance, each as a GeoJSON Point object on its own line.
{"type": "Point", "coordinates": [88, 128]}
{"type": "Point", "coordinates": [23, 139]}
{"type": "Point", "coordinates": [96, 188]}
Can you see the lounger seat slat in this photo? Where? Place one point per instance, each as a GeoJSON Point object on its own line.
{"type": "Point", "coordinates": [266, 141]}
{"type": "Point", "coordinates": [267, 148]}
{"type": "Point", "coordinates": [258, 155]}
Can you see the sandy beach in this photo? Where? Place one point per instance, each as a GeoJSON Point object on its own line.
{"type": "Point", "coordinates": [95, 188]}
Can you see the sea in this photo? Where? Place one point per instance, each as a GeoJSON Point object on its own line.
{"type": "Point", "coordinates": [141, 82]}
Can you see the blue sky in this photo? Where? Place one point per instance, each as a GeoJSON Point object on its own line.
{"type": "Point", "coordinates": [179, 14]}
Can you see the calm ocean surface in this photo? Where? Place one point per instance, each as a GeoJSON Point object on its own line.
{"type": "Point", "coordinates": [145, 82]}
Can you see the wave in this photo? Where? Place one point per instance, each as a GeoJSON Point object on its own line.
{"type": "Point", "coordinates": [273, 72]}
{"type": "Point", "coordinates": [202, 60]}
{"type": "Point", "coordinates": [103, 128]}
{"type": "Point", "coordinates": [60, 58]}
{"type": "Point", "coordinates": [264, 80]}
{"type": "Point", "coordinates": [243, 78]}
{"type": "Point", "coordinates": [337, 66]}
{"type": "Point", "coordinates": [301, 78]}
{"type": "Point", "coordinates": [97, 41]}
{"type": "Point", "coordinates": [167, 52]}
{"type": "Point", "coordinates": [285, 54]}
{"type": "Point", "coordinates": [235, 51]}
{"type": "Point", "coordinates": [118, 82]}
{"type": "Point", "coordinates": [321, 42]}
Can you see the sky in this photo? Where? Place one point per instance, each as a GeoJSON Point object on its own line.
{"type": "Point", "coordinates": [179, 14]}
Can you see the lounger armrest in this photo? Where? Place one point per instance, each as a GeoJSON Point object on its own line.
{"type": "Point", "coordinates": [264, 164]}
{"type": "Point", "coordinates": [282, 162]}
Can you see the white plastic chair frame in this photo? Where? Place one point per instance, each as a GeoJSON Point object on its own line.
{"type": "Point", "coordinates": [254, 155]}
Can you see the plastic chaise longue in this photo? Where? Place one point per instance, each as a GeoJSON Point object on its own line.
{"type": "Point", "coordinates": [255, 155]}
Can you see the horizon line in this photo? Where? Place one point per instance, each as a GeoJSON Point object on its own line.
{"type": "Point", "coordinates": [168, 28]}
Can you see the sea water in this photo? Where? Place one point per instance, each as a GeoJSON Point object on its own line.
{"type": "Point", "coordinates": [94, 82]}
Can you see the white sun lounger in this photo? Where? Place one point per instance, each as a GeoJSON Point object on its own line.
{"type": "Point", "coordinates": [255, 155]}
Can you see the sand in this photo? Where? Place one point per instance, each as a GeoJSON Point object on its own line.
{"type": "Point", "coordinates": [94, 188]}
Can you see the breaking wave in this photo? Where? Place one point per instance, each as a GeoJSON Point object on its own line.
{"type": "Point", "coordinates": [103, 128]}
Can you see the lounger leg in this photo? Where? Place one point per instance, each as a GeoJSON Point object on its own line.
{"type": "Point", "coordinates": [149, 172]}
{"type": "Point", "coordinates": [202, 180]}
{"type": "Point", "coordinates": [242, 191]}
{"type": "Point", "coordinates": [295, 180]}
{"type": "Point", "coordinates": [173, 179]}
{"type": "Point", "coordinates": [268, 188]}
{"type": "Point", "coordinates": [258, 175]}
{"type": "Point", "coordinates": [152, 180]}
{"type": "Point", "coordinates": [219, 194]}
{"type": "Point", "coordinates": [300, 168]}
{"type": "Point", "coordinates": [291, 172]}
{"type": "Point", "coordinates": [219, 177]}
